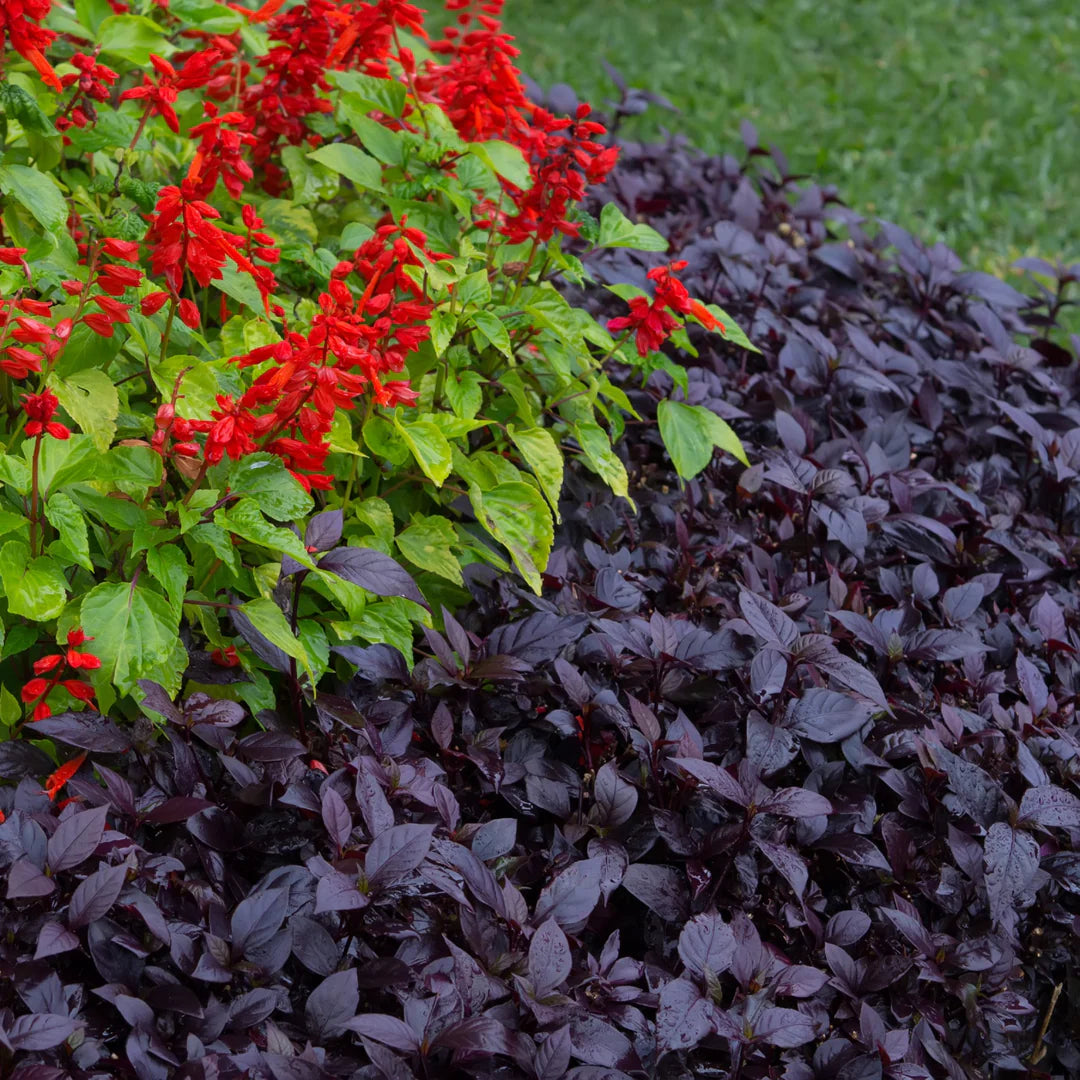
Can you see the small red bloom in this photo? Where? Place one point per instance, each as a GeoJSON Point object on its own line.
{"type": "Point", "coordinates": [55, 783]}
{"type": "Point", "coordinates": [226, 657]}
{"type": "Point", "coordinates": [189, 314]}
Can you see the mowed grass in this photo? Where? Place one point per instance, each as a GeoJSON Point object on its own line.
{"type": "Point", "coordinates": [958, 119]}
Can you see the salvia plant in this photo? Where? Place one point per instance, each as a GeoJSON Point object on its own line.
{"type": "Point", "coordinates": [282, 349]}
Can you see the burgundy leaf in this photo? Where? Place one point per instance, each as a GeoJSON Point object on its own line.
{"type": "Point", "coordinates": [706, 945]}
{"type": "Point", "coordinates": [713, 776]}
{"type": "Point", "coordinates": [614, 797]}
{"type": "Point", "coordinates": [336, 817]}
{"type": "Point", "coordinates": [388, 1030]}
{"type": "Point", "coordinates": [332, 1004]}
{"type": "Point", "coordinates": [549, 958]}
{"type": "Point", "coordinates": [373, 571]}
{"type": "Point", "coordinates": [54, 939]}
{"type": "Point", "coordinates": [41, 1031]}
{"type": "Point", "coordinates": [660, 888]}
{"type": "Point", "coordinates": [95, 895]}
{"type": "Point", "coordinates": [396, 852]}
{"type": "Point", "coordinates": [76, 838]}
{"type": "Point", "coordinates": [25, 880]}
{"type": "Point", "coordinates": [571, 897]}
{"type": "Point", "coordinates": [1050, 806]}
{"type": "Point", "coordinates": [270, 746]}
{"type": "Point", "coordinates": [795, 803]}
{"type": "Point", "coordinates": [1012, 860]}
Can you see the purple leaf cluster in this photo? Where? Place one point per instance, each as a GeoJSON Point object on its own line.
{"type": "Point", "coordinates": [777, 780]}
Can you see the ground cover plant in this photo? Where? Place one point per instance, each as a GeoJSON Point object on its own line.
{"type": "Point", "coordinates": [775, 778]}
{"type": "Point", "coordinates": [907, 108]}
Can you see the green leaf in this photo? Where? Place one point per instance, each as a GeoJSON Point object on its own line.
{"type": "Point", "coordinates": [616, 230]}
{"type": "Point", "coordinates": [376, 514]}
{"type": "Point", "coordinates": [10, 522]}
{"type": "Point", "coordinates": [69, 520]}
{"type": "Point", "coordinates": [463, 391]}
{"type": "Point", "coordinates": [133, 38]}
{"type": "Point", "coordinates": [245, 519]}
{"type": "Point", "coordinates": [278, 494]}
{"type": "Point", "coordinates": [385, 95]}
{"type": "Point", "coordinates": [169, 567]}
{"type": "Point", "coordinates": [516, 514]}
{"type": "Point", "coordinates": [504, 160]}
{"type": "Point", "coordinates": [731, 330]}
{"type": "Point", "coordinates": [494, 330]}
{"type": "Point", "coordinates": [312, 182]}
{"type": "Point", "coordinates": [34, 588]}
{"type": "Point", "coordinates": [199, 384]}
{"type": "Point", "coordinates": [17, 104]}
{"type": "Point", "coordinates": [691, 433]}
{"type": "Point", "coordinates": [351, 162]}
{"type": "Point", "coordinates": [429, 447]}
{"type": "Point", "coordinates": [596, 445]}
{"type": "Point", "coordinates": [429, 543]}
{"type": "Point", "coordinates": [377, 139]}
{"type": "Point", "coordinates": [134, 631]}
{"type": "Point", "coordinates": [381, 439]}
{"type": "Point", "coordinates": [542, 454]}
{"type": "Point", "coordinates": [91, 400]}
{"type": "Point", "coordinates": [209, 17]}
{"type": "Point", "coordinates": [388, 623]}
{"type": "Point", "coordinates": [443, 325]}
{"type": "Point", "coordinates": [268, 619]}
{"type": "Point", "coordinates": [38, 192]}
{"type": "Point", "coordinates": [241, 287]}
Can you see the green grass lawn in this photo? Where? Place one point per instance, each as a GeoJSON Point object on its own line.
{"type": "Point", "coordinates": [959, 119]}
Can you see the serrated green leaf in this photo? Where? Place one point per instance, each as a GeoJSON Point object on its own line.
{"type": "Point", "coordinates": [312, 182]}
{"type": "Point", "coordinates": [730, 329]}
{"type": "Point", "coordinates": [596, 445]}
{"type": "Point", "coordinates": [245, 519]}
{"type": "Point", "coordinates": [69, 520]}
{"type": "Point", "coordinates": [351, 162]}
{"type": "Point", "coordinates": [504, 160]}
{"type": "Point", "coordinates": [542, 454]}
{"type": "Point", "coordinates": [616, 230]}
{"type": "Point", "coordinates": [268, 619]}
{"type": "Point", "coordinates": [429, 543]}
{"type": "Point", "coordinates": [133, 38]}
{"type": "Point", "coordinates": [691, 433]}
{"type": "Point", "coordinates": [429, 447]}
{"type": "Point", "coordinates": [381, 438]}
{"type": "Point", "coordinates": [464, 391]}
{"type": "Point", "coordinates": [17, 104]}
{"type": "Point", "coordinates": [517, 516]}
{"type": "Point", "coordinates": [167, 564]}
{"type": "Point", "coordinates": [134, 631]}
{"type": "Point", "coordinates": [34, 588]}
{"type": "Point", "coordinates": [265, 480]}
{"type": "Point", "coordinates": [90, 399]}
{"type": "Point", "coordinates": [37, 192]}
{"type": "Point", "coordinates": [494, 331]}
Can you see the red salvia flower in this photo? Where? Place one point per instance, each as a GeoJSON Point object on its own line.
{"type": "Point", "coordinates": [19, 23]}
{"type": "Point", "coordinates": [54, 784]}
{"type": "Point", "coordinates": [40, 409]}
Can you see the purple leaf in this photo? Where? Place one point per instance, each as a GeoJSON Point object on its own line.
{"type": "Point", "coordinates": [86, 730]}
{"type": "Point", "coordinates": [714, 777]}
{"type": "Point", "coordinates": [41, 1031]}
{"type": "Point", "coordinates": [252, 1008]}
{"type": "Point", "coordinates": [332, 1004]}
{"type": "Point", "coordinates": [549, 958]}
{"type": "Point", "coordinates": [707, 944]}
{"type": "Point", "coordinates": [495, 838]}
{"type": "Point", "coordinates": [313, 945]}
{"type": "Point", "coordinates": [684, 1017]}
{"type": "Point", "coordinates": [795, 803]}
{"type": "Point", "coordinates": [826, 716]}
{"type": "Point", "coordinates": [597, 1043]}
{"type": "Point", "coordinates": [1012, 860]}
{"type": "Point", "coordinates": [375, 810]}
{"type": "Point", "coordinates": [396, 852]}
{"type": "Point", "coordinates": [1050, 806]}
{"type": "Point", "coordinates": [767, 621]}
{"type": "Point", "coordinates": [95, 895]}
{"type": "Point", "coordinates": [257, 919]}
{"type": "Point", "coordinates": [855, 849]}
{"type": "Point", "coordinates": [660, 888]}
{"type": "Point", "coordinates": [553, 1055]}
{"type": "Point", "coordinates": [571, 897]}
{"type": "Point", "coordinates": [54, 939]}
{"type": "Point", "coordinates": [614, 798]}
{"type": "Point", "coordinates": [337, 892]}
{"type": "Point", "coordinates": [76, 838]}
{"type": "Point", "coordinates": [800, 981]}
{"type": "Point", "coordinates": [477, 1035]}
{"type": "Point", "coordinates": [847, 927]}
{"type": "Point", "coordinates": [373, 571]}
{"type": "Point", "coordinates": [388, 1030]}
{"type": "Point", "coordinates": [270, 746]}
{"type": "Point", "coordinates": [786, 1028]}
{"type": "Point", "coordinates": [324, 530]}
{"type": "Point", "coordinates": [25, 880]}
{"type": "Point", "coordinates": [218, 829]}
{"type": "Point", "coordinates": [336, 817]}
{"type": "Point", "coordinates": [179, 808]}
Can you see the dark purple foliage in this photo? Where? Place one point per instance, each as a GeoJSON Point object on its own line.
{"type": "Point", "coordinates": [778, 779]}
